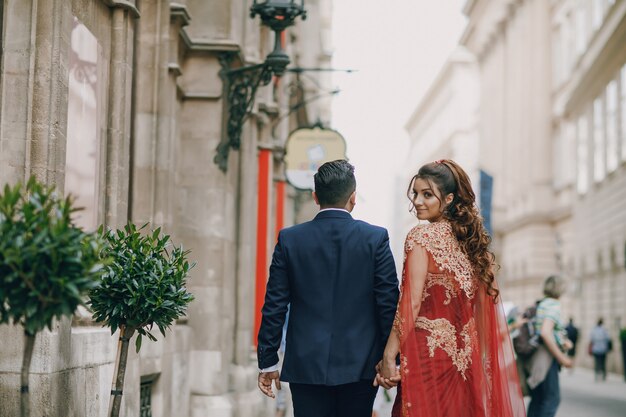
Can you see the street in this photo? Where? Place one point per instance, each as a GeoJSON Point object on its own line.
{"type": "Point", "coordinates": [580, 396]}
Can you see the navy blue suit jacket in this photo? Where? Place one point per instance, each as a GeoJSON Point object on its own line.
{"type": "Point", "coordinates": [339, 276]}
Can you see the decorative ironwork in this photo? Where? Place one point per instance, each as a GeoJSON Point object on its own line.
{"type": "Point", "coordinates": [240, 86]}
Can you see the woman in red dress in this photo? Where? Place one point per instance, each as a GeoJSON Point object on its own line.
{"type": "Point", "coordinates": [456, 358]}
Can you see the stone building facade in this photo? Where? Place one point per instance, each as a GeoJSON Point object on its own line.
{"type": "Point", "coordinates": [123, 104]}
{"type": "Point", "coordinates": [443, 125]}
{"type": "Point", "coordinates": [552, 134]}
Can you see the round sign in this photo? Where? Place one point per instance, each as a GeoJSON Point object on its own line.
{"type": "Point", "coordinates": [306, 150]}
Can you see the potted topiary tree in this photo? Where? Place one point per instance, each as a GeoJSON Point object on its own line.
{"type": "Point", "coordinates": [143, 286]}
{"type": "Point", "coordinates": [46, 264]}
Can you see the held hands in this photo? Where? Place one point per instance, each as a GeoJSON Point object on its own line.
{"type": "Point", "coordinates": [387, 374]}
{"type": "Point", "coordinates": [265, 382]}
{"type": "Point", "coordinates": [565, 361]}
{"type": "Point", "coordinates": [567, 345]}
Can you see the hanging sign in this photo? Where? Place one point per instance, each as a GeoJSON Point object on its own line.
{"type": "Point", "coordinates": [306, 150]}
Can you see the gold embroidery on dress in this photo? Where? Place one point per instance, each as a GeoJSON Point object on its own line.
{"type": "Point", "coordinates": [438, 239]}
{"type": "Point", "coordinates": [443, 336]}
{"type": "Point", "coordinates": [444, 281]}
{"type": "Point", "coordinates": [404, 369]}
{"type": "Point", "coordinates": [404, 364]}
{"type": "Point", "coordinates": [398, 323]}
{"type": "Point", "coordinates": [489, 375]}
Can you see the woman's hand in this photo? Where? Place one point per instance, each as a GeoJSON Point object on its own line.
{"type": "Point", "coordinates": [387, 374]}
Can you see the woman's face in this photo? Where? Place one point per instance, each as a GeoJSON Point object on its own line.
{"type": "Point", "coordinates": [426, 199]}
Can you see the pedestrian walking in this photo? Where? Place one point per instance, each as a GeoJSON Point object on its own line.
{"type": "Point", "coordinates": [599, 346]}
{"type": "Point", "coordinates": [572, 335]}
{"type": "Point", "coordinates": [544, 365]}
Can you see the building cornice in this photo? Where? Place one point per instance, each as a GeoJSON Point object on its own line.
{"type": "Point", "coordinates": [178, 12]}
{"type": "Point", "coordinates": [214, 45]}
{"type": "Point", "coordinates": [539, 217]}
{"type": "Point", "coordinates": [469, 6]}
{"type": "Point", "coordinates": [487, 21]}
{"type": "Point", "coordinates": [124, 4]}
{"type": "Point", "coordinates": [596, 67]}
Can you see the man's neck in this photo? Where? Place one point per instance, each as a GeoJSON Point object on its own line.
{"type": "Point", "coordinates": [334, 208]}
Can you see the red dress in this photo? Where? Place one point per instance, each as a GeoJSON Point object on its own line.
{"type": "Point", "coordinates": [455, 351]}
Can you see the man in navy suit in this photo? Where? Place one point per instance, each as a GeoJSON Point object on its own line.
{"type": "Point", "coordinates": [339, 278]}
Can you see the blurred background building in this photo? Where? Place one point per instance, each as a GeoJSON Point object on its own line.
{"type": "Point", "coordinates": [545, 141]}
{"type": "Point", "coordinates": [445, 123]}
{"type": "Point", "coordinates": [123, 104]}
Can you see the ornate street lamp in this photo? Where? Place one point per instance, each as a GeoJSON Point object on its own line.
{"type": "Point", "coordinates": [240, 84]}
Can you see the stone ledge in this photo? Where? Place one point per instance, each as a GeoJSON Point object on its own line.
{"type": "Point", "coordinates": [124, 4]}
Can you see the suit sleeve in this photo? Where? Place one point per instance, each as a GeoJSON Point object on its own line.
{"type": "Point", "coordinates": [274, 309]}
{"type": "Point", "coordinates": [385, 286]}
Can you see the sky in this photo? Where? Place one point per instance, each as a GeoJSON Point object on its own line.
{"type": "Point", "coordinates": [397, 47]}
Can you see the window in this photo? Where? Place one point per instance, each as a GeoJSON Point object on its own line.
{"type": "Point", "coordinates": [570, 45]}
{"type": "Point", "coordinates": [557, 54]}
{"type": "Point", "coordinates": [145, 394]}
{"type": "Point", "coordinates": [582, 134]}
{"type": "Point", "coordinates": [565, 150]}
{"type": "Point", "coordinates": [581, 27]}
{"type": "Point", "coordinates": [612, 158]}
{"type": "Point", "coordinates": [82, 147]}
{"type": "Point", "coordinates": [597, 13]}
{"type": "Point", "coordinates": [623, 110]}
{"type": "Point", "coordinates": [599, 165]}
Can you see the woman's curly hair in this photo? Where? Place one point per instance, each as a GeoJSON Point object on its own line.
{"type": "Point", "coordinates": [463, 215]}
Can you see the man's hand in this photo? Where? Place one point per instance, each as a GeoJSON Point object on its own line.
{"type": "Point", "coordinates": [387, 374]}
{"type": "Point", "coordinates": [265, 382]}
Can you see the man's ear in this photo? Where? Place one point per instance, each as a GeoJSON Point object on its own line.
{"type": "Point", "coordinates": [315, 198]}
{"type": "Point", "coordinates": [353, 198]}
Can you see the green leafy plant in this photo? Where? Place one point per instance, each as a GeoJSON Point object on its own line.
{"type": "Point", "coordinates": [622, 334]}
{"type": "Point", "coordinates": [46, 263]}
{"type": "Point", "coordinates": [143, 287]}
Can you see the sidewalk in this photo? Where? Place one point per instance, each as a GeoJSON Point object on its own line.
{"type": "Point", "coordinates": [580, 396]}
{"type": "Point", "coordinates": [581, 380]}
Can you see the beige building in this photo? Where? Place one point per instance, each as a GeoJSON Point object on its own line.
{"type": "Point", "coordinates": [552, 134]}
{"type": "Point", "coordinates": [589, 117]}
{"type": "Point", "coordinates": [123, 103]}
{"type": "Point", "coordinates": [443, 125]}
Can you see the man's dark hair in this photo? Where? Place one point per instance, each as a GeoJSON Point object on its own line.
{"type": "Point", "coordinates": [334, 183]}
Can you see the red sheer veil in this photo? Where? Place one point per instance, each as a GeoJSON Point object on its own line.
{"type": "Point", "coordinates": [489, 384]}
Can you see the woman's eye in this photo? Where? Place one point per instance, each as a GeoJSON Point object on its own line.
{"type": "Point", "coordinates": [427, 195]}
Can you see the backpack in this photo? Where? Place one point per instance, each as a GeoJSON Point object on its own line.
{"type": "Point", "coordinates": [527, 340]}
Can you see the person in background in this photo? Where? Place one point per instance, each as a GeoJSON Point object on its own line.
{"type": "Point", "coordinates": [514, 320]}
{"type": "Point", "coordinates": [572, 335]}
{"type": "Point", "coordinates": [600, 346]}
{"type": "Point", "coordinates": [543, 367]}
